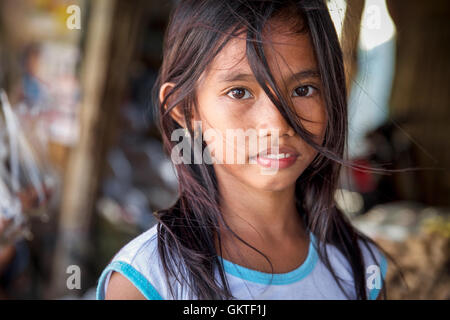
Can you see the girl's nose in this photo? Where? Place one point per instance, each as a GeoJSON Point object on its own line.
{"type": "Point", "coordinates": [269, 118]}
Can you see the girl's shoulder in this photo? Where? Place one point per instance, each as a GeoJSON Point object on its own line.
{"type": "Point", "coordinates": [139, 262]}
{"type": "Point", "coordinates": [375, 266]}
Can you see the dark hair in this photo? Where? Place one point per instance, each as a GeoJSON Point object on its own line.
{"type": "Point", "coordinates": [197, 31]}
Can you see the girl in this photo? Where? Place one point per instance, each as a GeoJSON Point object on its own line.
{"type": "Point", "coordinates": [237, 231]}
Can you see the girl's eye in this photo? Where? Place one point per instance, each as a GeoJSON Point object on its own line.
{"type": "Point", "coordinates": [304, 91]}
{"type": "Point", "coordinates": [239, 93]}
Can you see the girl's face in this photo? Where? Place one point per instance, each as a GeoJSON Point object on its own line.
{"type": "Point", "coordinates": [229, 97]}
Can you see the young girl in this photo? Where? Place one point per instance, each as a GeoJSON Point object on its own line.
{"type": "Point", "coordinates": [237, 231]}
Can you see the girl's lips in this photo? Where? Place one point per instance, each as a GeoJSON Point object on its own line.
{"type": "Point", "coordinates": [276, 163]}
{"type": "Point", "coordinates": [264, 160]}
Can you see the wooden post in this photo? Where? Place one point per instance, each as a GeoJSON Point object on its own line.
{"type": "Point", "coordinates": [111, 39]}
{"type": "Point", "coordinates": [350, 36]}
{"type": "Point", "coordinates": [420, 98]}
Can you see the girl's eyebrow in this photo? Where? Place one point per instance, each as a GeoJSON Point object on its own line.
{"type": "Point", "coordinates": [239, 76]}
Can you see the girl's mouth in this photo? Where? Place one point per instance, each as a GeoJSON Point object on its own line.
{"type": "Point", "coordinates": [280, 160]}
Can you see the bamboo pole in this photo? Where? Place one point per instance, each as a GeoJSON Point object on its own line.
{"type": "Point", "coordinates": [350, 35]}
{"type": "Point", "coordinates": [80, 184]}
{"type": "Point", "coordinates": [420, 99]}
{"type": "Point", "coordinates": [111, 40]}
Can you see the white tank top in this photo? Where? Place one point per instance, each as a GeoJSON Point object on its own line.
{"type": "Point", "coordinates": [139, 262]}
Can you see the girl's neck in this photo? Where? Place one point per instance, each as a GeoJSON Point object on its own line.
{"type": "Point", "coordinates": [268, 221]}
{"type": "Point", "coordinates": [270, 214]}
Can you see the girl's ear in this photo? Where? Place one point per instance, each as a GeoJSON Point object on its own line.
{"type": "Point", "coordinates": [176, 112]}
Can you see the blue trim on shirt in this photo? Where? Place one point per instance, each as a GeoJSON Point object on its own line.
{"type": "Point", "coordinates": [373, 294]}
{"type": "Point", "coordinates": [136, 278]}
{"type": "Point", "coordinates": [277, 278]}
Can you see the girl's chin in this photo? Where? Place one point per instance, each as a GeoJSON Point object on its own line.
{"type": "Point", "coordinates": [273, 187]}
{"type": "Point", "coordinates": [262, 178]}
{"type": "Point", "coordinates": [276, 182]}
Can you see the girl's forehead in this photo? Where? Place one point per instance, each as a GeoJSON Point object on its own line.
{"type": "Point", "coordinates": [284, 51]}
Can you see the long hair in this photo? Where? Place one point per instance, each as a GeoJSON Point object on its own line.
{"type": "Point", "coordinates": [197, 32]}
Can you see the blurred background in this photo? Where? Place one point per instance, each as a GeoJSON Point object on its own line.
{"type": "Point", "coordinates": [81, 161]}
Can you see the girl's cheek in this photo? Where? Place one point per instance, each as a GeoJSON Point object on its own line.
{"type": "Point", "coordinates": [312, 117]}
